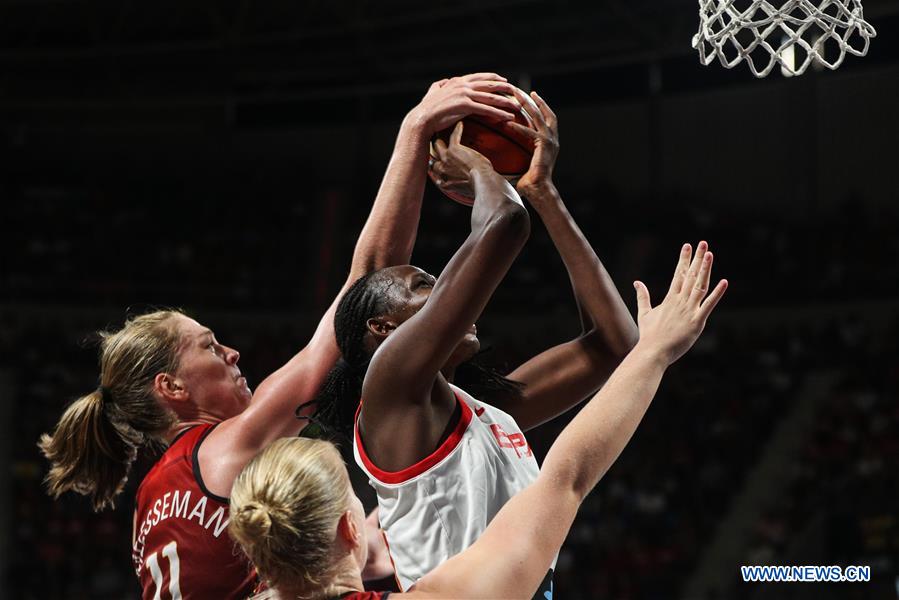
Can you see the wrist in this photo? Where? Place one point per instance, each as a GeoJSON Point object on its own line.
{"type": "Point", "coordinates": [415, 126]}
{"type": "Point", "coordinates": [650, 352]}
{"type": "Point", "coordinates": [482, 171]}
{"type": "Point", "coordinates": [542, 190]}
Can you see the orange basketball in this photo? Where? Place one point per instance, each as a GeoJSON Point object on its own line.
{"type": "Point", "coordinates": [507, 150]}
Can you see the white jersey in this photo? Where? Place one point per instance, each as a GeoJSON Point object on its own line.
{"type": "Point", "coordinates": [439, 506]}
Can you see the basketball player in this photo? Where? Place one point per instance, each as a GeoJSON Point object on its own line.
{"type": "Point", "coordinates": [166, 378]}
{"type": "Point", "coordinates": [442, 461]}
{"type": "Point", "coordinates": [295, 514]}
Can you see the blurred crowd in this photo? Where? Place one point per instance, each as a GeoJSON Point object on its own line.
{"type": "Point", "coordinates": [839, 506]}
{"type": "Point", "coordinates": [168, 245]}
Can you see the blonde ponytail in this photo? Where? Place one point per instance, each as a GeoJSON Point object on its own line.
{"type": "Point", "coordinates": [98, 436]}
{"type": "Point", "coordinates": [88, 453]}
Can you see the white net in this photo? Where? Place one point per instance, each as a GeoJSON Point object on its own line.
{"type": "Point", "coordinates": [794, 34]}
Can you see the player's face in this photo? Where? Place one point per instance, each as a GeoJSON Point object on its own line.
{"type": "Point", "coordinates": [411, 292]}
{"type": "Point", "coordinates": [208, 371]}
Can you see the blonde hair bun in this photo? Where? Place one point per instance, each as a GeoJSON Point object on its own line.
{"type": "Point", "coordinates": [285, 506]}
{"type": "Point", "coordinates": [255, 519]}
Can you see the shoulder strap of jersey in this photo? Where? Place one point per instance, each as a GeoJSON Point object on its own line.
{"type": "Point", "coordinates": [198, 477]}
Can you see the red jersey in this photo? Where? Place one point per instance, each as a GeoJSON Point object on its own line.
{"type": "Point", "coordinates": [181, 545]}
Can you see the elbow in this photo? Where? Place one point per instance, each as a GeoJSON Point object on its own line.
{"type": "Point", "coordinates": [611, 345]}
{"type": "Point", "coordinates": [511, 222]}
{"type": "Point", "coordinates": [629, 337]}
{"type": "Point", "coordinates": [574, 479]}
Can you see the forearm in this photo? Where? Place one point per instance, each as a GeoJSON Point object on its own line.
{"type": "Point", "coordinates": [496, 202]}
{"type": "Point", "coordinates": [389, 233]}
{"type": "Point", "coordinates": [592, 442]}
{"type": "Point", "coordinates": [601, 307]}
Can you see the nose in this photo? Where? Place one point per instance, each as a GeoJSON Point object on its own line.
{"type": "Point", "coordinates": [231, 355]}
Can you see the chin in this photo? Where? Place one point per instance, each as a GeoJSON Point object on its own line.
{"type": "Point", "coordinates": [465, 351]}
{"type": "Point", "coordinates": [246, 396]}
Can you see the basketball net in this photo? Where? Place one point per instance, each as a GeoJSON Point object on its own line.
{"type": "Point", "coordinates": [793, 33]}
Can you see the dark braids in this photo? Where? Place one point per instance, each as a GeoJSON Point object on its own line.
{"type": "Point", "coordinates": [339, 396]}
{"type": "Point", "coordinates": [485, 382]}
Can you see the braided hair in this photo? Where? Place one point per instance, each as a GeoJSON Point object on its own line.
{"type": "Point", "coordinates": [339, 396]}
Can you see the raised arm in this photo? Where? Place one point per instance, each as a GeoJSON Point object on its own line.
{"type": "Point", "coordinates": [386, 239]}
{"type": "Point", "coordinates": [564, 375]}
{"type": "Point", "coordinates": [538, 518]}
{"type": "Point", "coordinates": [271, 413]}
{"type": "Point", "coordinates": [399, 392]}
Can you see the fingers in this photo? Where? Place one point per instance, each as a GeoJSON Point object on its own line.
{"type": "Point", "coordinates": [442, 170]}
{"type": "Point", "coordinates": [530, 108]}
{"type": "Point", "coordinates": [548, 115]}
{"type": "Point", "coordinates": [701, 285]}
{"type": "Point", "coordinates": [484, 110]}
{"type": "Point", "coordinates": [644, 304]}
{"type": "Point", "coordinates": [496, 87]}
{"type": "Point", "coordinates": [440, 149]}
{"type": "Point", "coordinates": [495, 100]}
{"type": "Point", "coordinates": [711, 302]}
{"type": "Point", "coordinates": [435, 176]}
{"type": "Point", "coordinates": [483, 76]}
{"type": "Point", "coordinates": [456, 136]}
{"type": "Point", "coordinates": [680, 271]}
{"type": "Point", "coordinates": [449, 184]}
{"type": "Point", "coordinates": [693, 271]}
{"type": "Point", "coordinates": [438, 168]}
{"type": "Point", "coordinates": [526, 131]}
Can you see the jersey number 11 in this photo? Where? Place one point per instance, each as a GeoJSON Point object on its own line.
{"type": "Point", "coordinates": [170, 551]}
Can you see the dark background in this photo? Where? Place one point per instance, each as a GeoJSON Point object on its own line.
{"type": "Point", "coordinates": [222, 157]}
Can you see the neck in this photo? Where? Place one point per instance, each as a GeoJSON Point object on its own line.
{"type": "Point", "coordinates": [348, 578]}
{"type": "Point", "coordinates": [184, 424]}
{"type": "Point", "coordinates": [448, 372]}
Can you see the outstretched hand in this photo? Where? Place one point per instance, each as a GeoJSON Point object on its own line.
{"type": "Point", "coordinates": [544, 132]}
{"type": "Point", "coordinates": [673, 326]}
{"type": "Point", "coordinates": [450, 100]}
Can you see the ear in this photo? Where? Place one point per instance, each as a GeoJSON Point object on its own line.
{"type": "Point", "coordinates": [348, 530]}
{"type": "Point", "coordinates": [170, 388]}
{"type": "Point", "coordinates": [380, 327]}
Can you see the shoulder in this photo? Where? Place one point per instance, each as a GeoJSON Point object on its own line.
{"type": "Point", "coordinates": [465, 398]}
{"type": "Point", "coordinates": [483, 410]}
{"type": "Point", "coordinates": [442, 456]}
{"type": "Point", "coordinates": [180, 451]}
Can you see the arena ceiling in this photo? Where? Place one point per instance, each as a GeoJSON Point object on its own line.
{"type": "Point", "coordinates": [67, 55]}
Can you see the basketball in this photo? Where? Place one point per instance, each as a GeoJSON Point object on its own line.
{"type": "Point", "coordinates": [507, 150]}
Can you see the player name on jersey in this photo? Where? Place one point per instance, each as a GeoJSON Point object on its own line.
{"type": "Point", "coordinates": [179, 504]}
